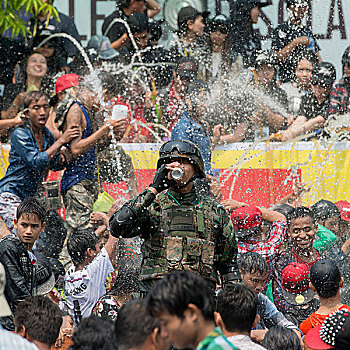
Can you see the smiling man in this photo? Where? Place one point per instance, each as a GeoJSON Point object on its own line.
{"type": "Point", "coordinates": [182, 226]}
{"type": "Point", "coordinates": [301, 228]}
{"type": "Point", "coordinates": [17, 258]}
{"type": "Point", "coordinates": [33, 151]}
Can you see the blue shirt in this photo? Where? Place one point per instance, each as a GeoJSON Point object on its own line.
{"type": "Point", "coordinates": [27, 164]}
{"type": "Point", "coordinates": [188, 129]}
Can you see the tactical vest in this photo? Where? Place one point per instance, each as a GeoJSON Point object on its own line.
{"type": "Point", "coordinates": [185, 240]}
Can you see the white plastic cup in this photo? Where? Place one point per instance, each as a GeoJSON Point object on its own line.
{"type": "Point", "coordinates": [119, 112]}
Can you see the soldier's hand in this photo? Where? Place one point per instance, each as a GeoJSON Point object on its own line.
{"type": "Point", "coordinates": [231, 204]}
{"type": "Point", "coordinates": [161, 180]}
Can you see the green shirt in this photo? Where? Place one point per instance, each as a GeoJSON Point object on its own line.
{"type": "Point", "coordinates": [215, 340]}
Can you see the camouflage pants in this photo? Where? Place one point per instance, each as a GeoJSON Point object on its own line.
{"type": "Point", "coordinates": [78, 201]}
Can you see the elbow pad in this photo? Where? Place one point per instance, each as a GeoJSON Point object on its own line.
{"type": "Point", "coordinates": [122, 220]}
{"type": "Point", "coordinates": [230, 273]}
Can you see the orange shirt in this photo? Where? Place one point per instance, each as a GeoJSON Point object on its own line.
{"type": "Point", "coordinates": [315, 320]}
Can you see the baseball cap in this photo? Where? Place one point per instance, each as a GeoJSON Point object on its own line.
{"type": "Point", "coordinates": [219, 21]}
{"type": "Point", "coordinates": [246, 220]}
{"type": "Point", "coordinates": [295, 284]}
{"type": "Point", "coordinates": [44, 275]}
{"type": "Point", "coordinates": [334, 333]}
{"type": "Point", "coordinates": [325, 276]}
{"type": "Point", "coordinates": [344, 207]}
{"type": "Point", "coordinates": [187, 67]}
{"type": "Point", "coordinates": [64, 82]}
{"type": "Point", "coordinates": [4, 307]}
{"type": "Point", "coordinates": [103, 47]}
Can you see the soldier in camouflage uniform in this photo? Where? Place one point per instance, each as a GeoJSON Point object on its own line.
{"type": "Point", "coordinates": [183, 229]}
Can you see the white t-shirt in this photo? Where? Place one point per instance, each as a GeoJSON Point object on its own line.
{"type": "Point", "coordinates": [87, 285]}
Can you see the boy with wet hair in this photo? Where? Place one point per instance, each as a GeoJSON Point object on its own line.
{"type": "Point", "coordinates": [84, 282]}
{"type": "Point", "coordinates": [237, 307]}
{"type": "Point", "coordinates": [184, 306]}
{"type": "Point", "coordinates": [254, 271]}
{"type": "Point", "coordinates": [17, 258]}
{"type": "Point", "coordinates": [34, 150]}
{"type": "Point", "coordinates": [39, 320]}
{"type": "Point", "coordinates": [136, 328]}
{"type": "Point", "coordinates": [326, 281]}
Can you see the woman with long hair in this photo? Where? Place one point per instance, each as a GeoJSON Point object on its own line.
{"type": "Point", "coordinates": [245, 41]}
{"type": "Point", "coordinates": [218, 58]}
{"type": "Point", "coordinates": [31, 77]}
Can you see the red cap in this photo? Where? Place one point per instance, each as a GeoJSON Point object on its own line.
{"type": "Point", "coordinates": [295, 278]}
{"type": "Point", "coordinates": [313, 340]}
{"type": "Point", "coordinates": [66, 81]}
{"type": "Point", "coordinates": [245, 220]}
{"type": "Point", "coordinates": [344, 208]}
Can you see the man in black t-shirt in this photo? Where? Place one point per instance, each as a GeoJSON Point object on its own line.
{"type": "Point", "coordinates": [116, 31]}
{"type": "Point", "coordinates": [291, 38]}
{"type": "Point", "coordinates": [314, 108]}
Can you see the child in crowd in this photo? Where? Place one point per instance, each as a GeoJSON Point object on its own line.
{"type": "Point", "coordinates": [249, 229]}
{"type": "Point", "coordinates": [297, 292]}
{"type": "Point", "coordinates": [184, 306]}
{"type": "Point", "coordinates": [279, 338]}
{"type": "Point", "coordinates": [39, 320]}
{"type": "Point", "coordinates": [254, 271]}
{"type": "Point", "coordinates": [84, 282]}
{"type": "Point", "coordinates": [137, 329]}
{"type": "Point", "coordinates": [237, 307]}
{"type": "Point", "coordinates": [326, 281]}
{"type": "Point", "coordinates": [302, 228]}
{"type": "Point", "coordinates": [17, 257]}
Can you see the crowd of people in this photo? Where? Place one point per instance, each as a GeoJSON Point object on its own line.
{"type": "Point", "coordinates": [176, 266]}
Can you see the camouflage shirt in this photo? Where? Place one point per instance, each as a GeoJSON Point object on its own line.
{"type": "Point", "coordinates": [150, 225]}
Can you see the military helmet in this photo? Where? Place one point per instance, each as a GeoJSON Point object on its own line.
{"type": "Point", "coordinates": [181, 149]}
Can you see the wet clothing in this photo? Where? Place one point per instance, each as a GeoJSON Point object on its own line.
{"type": "Point", "coordinates": [324, 239]}
{"type": "Point", "coordinates": [270, 316]}
{"type": "Point", "coordinates": [316, 319]}
{"type": "Point", "coordinates": [310, 108]}
{"type": "Point", "coordinates": [79, 183]}
{"type": "Point", "coordinates": [299, 313]}
{"type": "Point", "coordinates": [83, 167]}
{"type": "Point", "coordinates": [339, 99]}
{"type": "Point", "coordinates": [116, 30]}
{"type": "Point", "coordinates": [281, 37]}
{"type": "Point", "coordinates": [20, 275]}
{"type": "Point", "coordinates": [244, 342]}
{"type": "Point", "coordinates": [27, 164]}
{"type": "Point", "coordinates": [284, 258]}
{"type": "Point", "coordinates": [215, 340]}
{"type": "Point", "coordinates": [172, 106]}
{"type": "Point", "coordinates": [294, 96]}
{"type": "Point", "coordinates": [115, 165]}
{"type": "Point", "coordinates": [9, 203]}
{"type": "Point", "coordinates": [269, 248]}
{"type": "Point", "coordinates": [86, 285]}
{"type": "Point", "coordinates": [79, 201]}
{"type": "Point", "coordinates": [181, 231]}
{"type": "Point", "coordinates": [191, 130]}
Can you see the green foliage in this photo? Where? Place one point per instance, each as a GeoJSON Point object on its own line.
{"type": "Point", "coordinates": [9, 10]}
